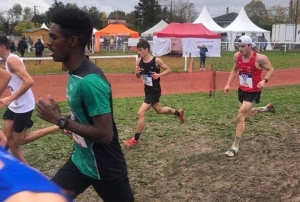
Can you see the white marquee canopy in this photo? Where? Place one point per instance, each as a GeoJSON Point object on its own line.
{"type": "Point", "coordinates": [44, 26]}
{"type": "Point", "coordinates": [162, 24]}
{"type": "Point", "coordinates": [208, 22]}
{"type": "Point", "coordinates": [242, 24]}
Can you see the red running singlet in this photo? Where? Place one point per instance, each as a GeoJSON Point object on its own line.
{"type": "Point", "coordinates": [249, 74]}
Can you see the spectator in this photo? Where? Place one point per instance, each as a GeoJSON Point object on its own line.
{"type": "Point", "coordinates": [265, 44]}
{"type": "Point", "coordinates": [39, 48]}
{"type": "Point", "coordinates": [89, 45]}
{"type": "Point", "coordinates": [203, 51]}
{"type": "Point", "coordinates": [30, 44]}
{"type": "Point", "coordinates": [22, 45]}
{"type": "Point", "coordinates": [12, 45]}
{"type": "Point", "coordinates": [105, 43]}
{"type": "Point", "coordinates": [119, 43]}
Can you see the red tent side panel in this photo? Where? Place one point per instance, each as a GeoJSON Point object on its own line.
{"type": "Point", "coordinates": [187, 30]}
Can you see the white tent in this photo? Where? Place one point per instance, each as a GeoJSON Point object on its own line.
{"type": "Point", "coordinates": [44, 26]}
{"type": "Point", "coordinates": [208, 22]}
{"type": "Point", "coordinates": [149, 33]}
{"type": "Point", "coordinates": [242, 24]}
{"type": "Point", "coordinates": [94, 31]}
{"type": "Point", "coordinates": [93, 42]}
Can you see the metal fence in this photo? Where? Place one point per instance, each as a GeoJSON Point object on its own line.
{"type": "Point", "coordinates": [261, 46]}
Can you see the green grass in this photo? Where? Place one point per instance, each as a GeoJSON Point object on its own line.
{"type": "Point", "coordinates": [185, 162]}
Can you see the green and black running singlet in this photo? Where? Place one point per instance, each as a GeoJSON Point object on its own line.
{"type": "Point", "coordinates": [89, 94]}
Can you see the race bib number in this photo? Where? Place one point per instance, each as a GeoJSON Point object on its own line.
{"type": "Point", "coordinates": [79, 140]}
{"type": "Point", "coordinates": [246, 80]}
{"type": "Point", "coordinates": [147, 80]}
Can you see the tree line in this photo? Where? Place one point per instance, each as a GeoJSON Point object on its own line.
{"type": "Point", "coordinates": [265, 18]}
{"type": "Point", "coordinates": [145, 14]}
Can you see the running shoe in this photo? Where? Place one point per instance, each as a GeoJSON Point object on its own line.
{"type": "Point", "coordinates": [232, 151]}
{"type": "Point", "coordinates": [131, 142]}
{"type": "Point", "coordinates": [181, 112]}
{"type": "Point", "coordinates": [270, 107]}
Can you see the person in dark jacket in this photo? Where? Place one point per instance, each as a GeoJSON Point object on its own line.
{"type": "Point", "coordinates": [12, 46]}
{"type": "Point", "coordinates": [22, 46]}
{"type": "Point", "coordinates": [39, 48]}
{"type": "Point", "coordinates": [203, 51]}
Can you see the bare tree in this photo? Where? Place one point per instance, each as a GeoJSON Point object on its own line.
{"type": "Point", "coordinates": [257, 12]}
{"type": "Point", "coordinates": [294, 14]}
{"type": "Point", "coordinates": [28, 14]}
{"type": "Point", "coordinates": [294, 11]}
{"type": "Point", "coordinates": [9, 19]}
{"type": "Point", "coordinates": [278, 14]}
{"type": "Point", "coordinates": [184, 11]}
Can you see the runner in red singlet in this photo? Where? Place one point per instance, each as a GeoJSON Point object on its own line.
{"type": "Point", "coordinates": [249, 65]}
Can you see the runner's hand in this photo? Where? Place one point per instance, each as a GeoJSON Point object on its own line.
{"type": "Point", "coordinates": [67, 133]}
{"type": "Point", "coordinates": [138, 71]}
{"type": "Point", "coordinates": [226, 89]}
{"type": "Point", "coordinates": [261, 84]}
{"type": "Point", "coordinates": [155, 75]}
{"type": "Point", "coordinates": [48, 111]}
{"type": "Point", "coordinates": [6, 101]}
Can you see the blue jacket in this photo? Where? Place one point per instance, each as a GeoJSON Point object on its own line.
{"type": "Point", "coordinates": [203, 52]}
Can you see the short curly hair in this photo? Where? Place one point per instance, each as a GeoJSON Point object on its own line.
{"type": "Point", "coordinates": [74, 22]}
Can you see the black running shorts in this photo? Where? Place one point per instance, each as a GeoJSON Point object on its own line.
{"type": "Point", "coordinates": [21, 120]}
{"type": "Point", "coordinates": [70, 178]}
{"type": "Point", "coordinates": [249, 96]}
{"type": "Point", "coordinates": [151, 98]}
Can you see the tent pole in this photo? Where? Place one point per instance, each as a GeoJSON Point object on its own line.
{"type": "Point", "coordinates": [93, 41]}
{"type": "Point", "coordinates": [185, 63]}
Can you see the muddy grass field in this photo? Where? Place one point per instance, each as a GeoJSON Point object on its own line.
{"type": "Point", "coordinates": [186, 163]}
{"type": "Point", "coordinates": [192, 168]}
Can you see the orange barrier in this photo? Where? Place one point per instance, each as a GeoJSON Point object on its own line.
{"type": "Point", "coordinates": [191, 64]}
{"type": "Point", "coordinates": [213, 82]}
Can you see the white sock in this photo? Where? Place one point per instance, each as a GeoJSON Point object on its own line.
{"type": "Point", "coordinates": [264, 109]}
{"type": "Point", "coordinates": [236, 142]}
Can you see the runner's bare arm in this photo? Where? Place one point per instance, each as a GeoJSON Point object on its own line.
{"type": "Point", "coordinates": [4, 80]}
{"type": "Point", "coordinates": [137, 68]}
{"type": "Point", "coordinates": [232, 73]}
{"type": "Point", "coordinates": [166, 69]}
{"type": "Point", "coordinates": [16, 67]}
{"type": "Point", "coordinates": [266, 64]}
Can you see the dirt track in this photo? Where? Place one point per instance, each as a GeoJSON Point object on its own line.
{"type": "Point", "coordinates": [127, 85]}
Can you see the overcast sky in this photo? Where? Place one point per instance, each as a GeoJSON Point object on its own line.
{"type": "Point", "coordinates": [215, 7]}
